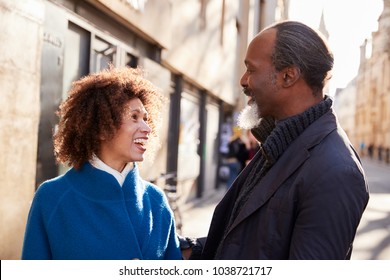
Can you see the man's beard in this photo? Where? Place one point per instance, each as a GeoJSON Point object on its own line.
{"type": "Point", "coordinates": [249, 117]}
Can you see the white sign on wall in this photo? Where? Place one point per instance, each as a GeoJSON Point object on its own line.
{"type": "Point", "coordinates": [138, 5]}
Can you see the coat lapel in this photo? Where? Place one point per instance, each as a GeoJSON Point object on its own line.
{"type": "Point", "coordinates": [292, 158]}
{"type": "Point", "coordinates": [282, 169]}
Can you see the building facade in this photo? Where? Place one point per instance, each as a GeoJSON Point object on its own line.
{"type": "Point", "coordinates": [192, 50]}
{"type": "Point", "coordinates": [364, 105]}
{"type": "Point", "coordinates": [345, 107]}
{"type": "Point", "coordinates": [20, 73]}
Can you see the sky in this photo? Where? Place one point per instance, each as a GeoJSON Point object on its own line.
{"type": "Point", "coordinates": [349, 23]}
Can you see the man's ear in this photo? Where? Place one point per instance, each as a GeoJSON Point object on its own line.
{"type": "Point", "coordinates": [290, 75]}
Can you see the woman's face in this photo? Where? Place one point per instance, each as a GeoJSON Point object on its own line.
{"type": "Point", "coordinates": [129, 142]}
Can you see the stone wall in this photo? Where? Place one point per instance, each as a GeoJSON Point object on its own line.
{"type": "Point", "coordinates": [20, 48]}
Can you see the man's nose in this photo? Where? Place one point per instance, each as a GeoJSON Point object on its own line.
{"type": "Point", "coordinates": [243, 80]}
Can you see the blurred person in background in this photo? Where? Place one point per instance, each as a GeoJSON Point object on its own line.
{"type": "Point", "coordinates": [253, 146]}
{"type": "Point", "coordinates": [237, 155]}
{"type": "Point", "coordinates": [101, 208]}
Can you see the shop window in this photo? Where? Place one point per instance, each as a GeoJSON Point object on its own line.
{"type": "Point", "coordinates": [104, 53]}
{"type": "Point", "coordinates": [131, 60]}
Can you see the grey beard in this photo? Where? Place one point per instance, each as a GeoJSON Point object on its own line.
{"type": "Point", "coordinates": [249, 117]}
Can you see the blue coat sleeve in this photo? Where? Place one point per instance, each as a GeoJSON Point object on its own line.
{"type": "Point", "coordinates": [173, 249]}
{"type": "Point", "coordinates": [36, 244]}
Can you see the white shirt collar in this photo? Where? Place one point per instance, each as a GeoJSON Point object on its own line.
{"type": "Point", "coordinates": [119, 176]}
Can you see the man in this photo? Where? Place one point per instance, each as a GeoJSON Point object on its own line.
{"type": "Point", "coordinates": [303, 194]}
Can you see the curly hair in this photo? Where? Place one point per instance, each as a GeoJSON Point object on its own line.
{"type": "Point", "coordinates": [95, 107]}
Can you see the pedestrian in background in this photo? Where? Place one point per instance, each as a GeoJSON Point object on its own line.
{"type": "Point", "coordinates": [237, 156]}
{"type": "Point", "coordinates": [303, 195]}
{"type": "Point", "coordinates": [380, 150]}
{"type": "Point", "coordinates": [253, 146]}
{"type": "Point", "coordinates": [370, 150]}
{"type": "Point", "coordinates": [362, 148]}
{"type": "Point", "coordinates": [101, 208]}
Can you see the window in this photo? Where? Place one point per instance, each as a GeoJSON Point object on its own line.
{"type": "Point", "coordinates": [104, 53]}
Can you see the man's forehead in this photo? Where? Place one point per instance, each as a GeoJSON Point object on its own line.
{"type": "Point", "coordinates": [267, 35]}
{"type": "Point", "coordinates": [261, 46]}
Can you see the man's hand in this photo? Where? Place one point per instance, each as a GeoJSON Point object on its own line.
{"type": "Point", "coordinates": [186, 253]}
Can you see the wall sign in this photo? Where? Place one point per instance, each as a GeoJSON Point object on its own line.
{"type": "Point", "coordinates": [138, 5]}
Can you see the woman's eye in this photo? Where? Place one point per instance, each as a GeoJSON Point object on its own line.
{"type": "Point", "coordinates": [134, 117]}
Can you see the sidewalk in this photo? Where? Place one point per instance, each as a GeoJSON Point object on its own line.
{"type": "Point", "coordinates": [372, 240]}
{"type": "Point", "coordinates": [197, 214]}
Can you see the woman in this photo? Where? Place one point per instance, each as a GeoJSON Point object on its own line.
{"type": "Point", "coordinates": [101, 208]}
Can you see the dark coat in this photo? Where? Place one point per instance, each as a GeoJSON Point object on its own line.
{"type": "Point", "coordinates": [308, 206]}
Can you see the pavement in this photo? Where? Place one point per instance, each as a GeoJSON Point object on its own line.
{"type": "Point", "coordinates": [197, 213]}
{"type": "Point", "coordinates": [372, 241]}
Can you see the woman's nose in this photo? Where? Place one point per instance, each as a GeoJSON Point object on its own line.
{"type": "Point", "coordinates": [145, 127]}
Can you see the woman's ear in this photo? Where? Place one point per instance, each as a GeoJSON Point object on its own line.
{"type": "Point", "coordinates": [102, 137]}
{"type": "Point", "coordinates": [290, 75]}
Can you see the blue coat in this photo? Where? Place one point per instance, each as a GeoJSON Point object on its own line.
{"type": "Point", "coordinates": [87, 215]}
{"type": "Point", "coordinates": [308, 205]}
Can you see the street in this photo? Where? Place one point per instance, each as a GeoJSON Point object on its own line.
{"type": "Point", "coordinates": [372, 241]}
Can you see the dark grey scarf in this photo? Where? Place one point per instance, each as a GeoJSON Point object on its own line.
{"type": "Point", "coordinates": [274, 140]}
